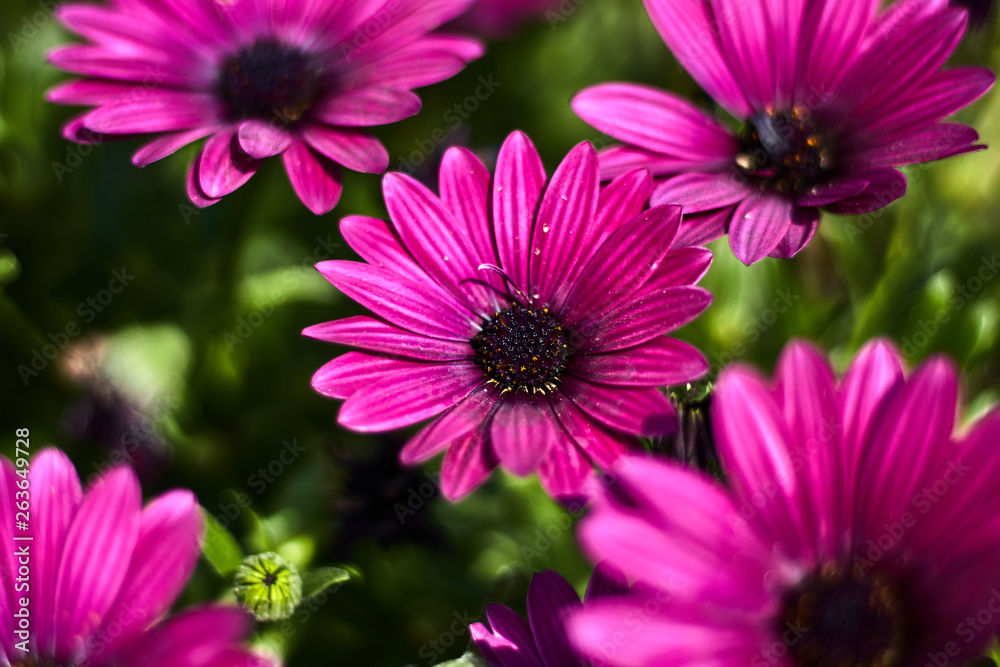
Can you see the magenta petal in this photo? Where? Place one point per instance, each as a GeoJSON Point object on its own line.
{"type": "Point", "coordinates": [170, 537]}
{"type": "Point", "coordinates": [262, 140]}
{"type": "Point", "coordinates": [161, 147]}
{"type": "Point", "coordinates": [401, 301]}
{"type": "Point", "coordinates": [914, 428]}
{"type": "Point", "coordinates": [749, 41]}
{"type": "Point", "coordinates": [828, 193]}
{"type": "Point", "coordinates": [353, 372]}
{"type": "Point", "coordinates": [223, 166]}
{"type": "Point", "coordinates": [563, 238]}
{"type": "Point", "coordinates": [832, 35]}
{"type": "Point", "coordinates": [651, 313]}
{"type": "Point", "coordinates": [699, 229]}
{"type": "Point", "coordinates": [423, 391]}
{"type": "Point", "coordinates": [354, 149]}
{"type": "Point", "coordinates": [432, 59]}
{"type": "Point", "coordinates": [201, 637]}
{"type": "Point", "coordinates": [755, 444]}
{"type": "Point", "coordinates": [566, 474]}
{"type": "Point", "coordinates": [436, 240]}
{"type": "Point", "coordinates": [377, 336]}
{"type": "Point", "coordinates": [884, 187]}
{"type": "Point", "coordinates": [700, 192]}
{"type": "Point", "coordinates": [8, 561]}
{"type": "Point", "coordinates": [502, 652]}
{"type": "Point", "coordinates": [315, 179]}
{"type": "Point", "coordinates": [550, 600]}
{"type": "Point", "coordinates": [467, 464]}
{"type": "Point", "coordinates": [656, 121]}
{"type": "Point", "coordinates": [463, 417]}
{"type": "Point", "coordinates": [509, 626]}
{"type": "Point", "coordinates": [98, 549]}
{"type": "Point", "coordinates": [931, 143]}
{"type": "Point", "coordinates": [678, 21]}
{"type": "Point", "coordinates": [57, 495]}
{"type": "Point", "coordinates": [621, 200]}
{"type": "Point", "coordinates": [517, 185]}
{"type": "Point", "coordinates": [379, 244]}
{"type": "Point", "coordinates": [465, 189]}
{"type": "Point", "coordinates": [636, 250]}
{"type": "Point", "coordinates": [159, 111]}
{"type": "Point", "coordinates": [805, 222]}
{"type": "Point", "coordinates": [603, 446]}
{"type": "Point", "coordinates": [194, 193]}
{"type": "Point", "coordinates": [642, 412]}
{"type": "Point", "coordinates": [368, 106]}
{"type": "Point", "coordinates": [680, 267]}
{"type": "Point", "coordinates": [759, 224]}
{"type": "Point", "coordinates": [522, 431]}
{"type": "Point", "coordinates": [606, 581]}
{"type": "Point", "coordinates": [658, 363]}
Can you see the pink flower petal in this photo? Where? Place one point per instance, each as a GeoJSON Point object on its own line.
{"type": "Point", "coordinates": [316, 180]}
{"type": "Point", "coordinates": [522, 431]}
{"type": "Point", "coordinates": [656, 121]}
{"type": "Point", "coordinates": [603, 446]}
{"type": "Point", "coordinates": [550, 599]}
{"type": "Point", "coordinates": [621, 200]}
{"type": "Point", "coordinates": [437, 241]}
{"type": "Point", "coordinates": [699, 229]}
{"type": "Point", "coordinates": [170, 537]}
{"type": "Point", "coordinates": [376, 336]}
{"type": "Point", "coordinates": [503, 652]}
{"type": "Point", "coordinates": [159, 111]}
{"type": "Point", "coordinates": [197, 637]}
{"type": "Point", "coordinates": [367, 106]}
{"type": "Point", "coordinates": [430, 60]}
{"type": "Point", "coordinates": [658, 363]}
{"type": "Point", "coordinates": [832, 35]}
{"type": "Point", "coordinates": [98, 549]}
{"type": "Point", "coordinates": [353, 372]}
{"type": "Point", "coordinates": [510, 627]}
{"type": "Point", "coordinates": [468, 414]}
{"type": "Point", "coordinates": [884, 187]}
{"type": "Point", "coordinates": [805, 222]}
{"type": "Point", "coordinates": [566, 474]}
{"type": "Point", "coordinates": [467, 464]}
{"type": "Point", "coordinates": [262, 140]}
{"type": "Point", "coordinates": [636, 250]}
{"type": "Point", "coordinates": [759, 224]}
{"type": "Point", "coordinates": [701, 192]}
{"type": "Point", "coordinates": [401, 301]}
{"type": "Point", "coordinates": [749, 42]}
{"type": "Point", "coordinates": [223, 166]}
{"type": "Point", "coordinates": [641, 412]}
{"type": "Point", "coordinates": [423, 391]}
{"type": "Point", "coordinates": [517, 187]}
{"type": "Point", "coordinates": [652, 312]}
{"type": "Point", "coordinates": [690, 31]}
{"type": "Point", "coordinates": [169, 144]}
{"type": "Point", "coordinates": [55, 489]}
{"type": "Point", "coordinates": [354, 149]}
{"type": "Point", "coordinates": [565, 229]}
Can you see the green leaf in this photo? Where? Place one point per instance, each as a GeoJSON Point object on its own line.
{"type": "Point", "coordinates": [467, 660]}
{"type": "Point", "coordinates": [220, 549]}
{"type": "Point", "coordinates": [316, 581]}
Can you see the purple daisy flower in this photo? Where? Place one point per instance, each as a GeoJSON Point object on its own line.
{"type": "Point", "coordinates": [857, 527]}
{"type": "Point", "coordinates": [528, 319]}
{"type": "Point", "coordinates": [103, 574]}
{"type": "Point", "coordinates": [541, 641]}
{"type": "Point", "coordinates": [832, 94]}
{"type": "Point", "coordinates": [259, 78]}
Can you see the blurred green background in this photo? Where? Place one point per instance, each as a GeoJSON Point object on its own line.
{"type": "Point", "coordinates": [196, 369]}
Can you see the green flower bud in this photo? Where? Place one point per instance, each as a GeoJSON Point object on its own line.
{"type": "Point", "coordinates": [268, 586]}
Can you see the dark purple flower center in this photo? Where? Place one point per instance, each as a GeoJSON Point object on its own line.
{"type": "Point", "coordinates": [784, 151]}
{"type": "Point", "coordinates": [269, 80]}
{"type": "Point", "coordinates": [522, 348]}
{"type": "Point", "coordinates": [841, 616]}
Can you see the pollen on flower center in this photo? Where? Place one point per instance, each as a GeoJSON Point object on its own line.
{"type": "Point", "coordinates": [268, 80]}
{"type": "Point", "coordinates": [784, 151]}
{"type": "Point", "coordinates": [842, 617]}
{"type": "Point", "coordinates": [522, 348]}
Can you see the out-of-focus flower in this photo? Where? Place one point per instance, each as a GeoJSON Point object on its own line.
{"type": "Point", "coordinates": [857, 528]}
{"type": "Point", "coordinates": [259, 78]}
{"type": "Point", "coordinates": [531, 326]}
{"type": "Point", "coordinates": [541, 641]}
{"type": "Point", "coordinates": [104, 572]}
{"type": "Point", "coordinates": [833, 96]}
{"type": "Point", "coordinates": [500, 18]}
